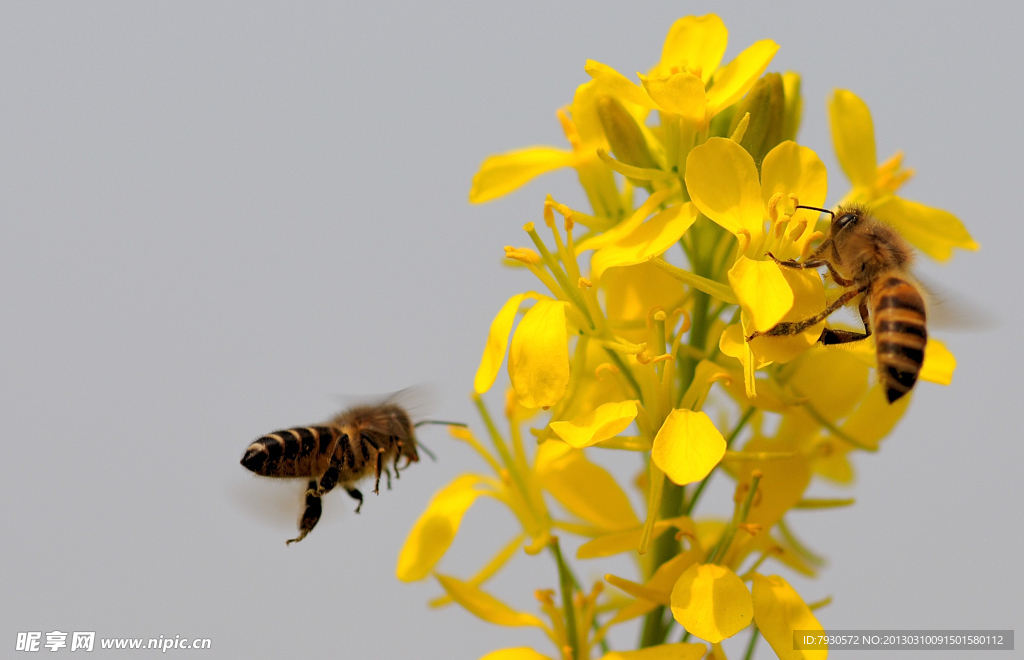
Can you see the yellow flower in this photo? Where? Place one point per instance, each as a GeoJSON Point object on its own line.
{"type": "Point", "coordinates": [623, 354]}
{"type": "Point", "coordinates": [933, 231]}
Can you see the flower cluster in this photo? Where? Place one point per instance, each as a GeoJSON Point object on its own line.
{"type": "Point", "coordinates": [646, 301]}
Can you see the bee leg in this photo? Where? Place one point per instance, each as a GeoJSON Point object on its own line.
{"type": "Point", "coordinates": [795, 327]}
{"type": "Point", "coordinates": [832, 336]}
{"type": "Point", "coordinates": [815, 263]}
{"type": "Point", "coordinates": [328, 481]}
{"type": "Point", "coordinates": [356, 495]}
{"type": "Point", "coordinates": [380, 461]}
{"type": "Point", "coordinates": [311, 515]}
{"type": "Point", "coordinates": [398, 455]}
{"type": "Point", "coordinates": [388, 472]}
{"type": "Point", "coordinates": [380, 465]}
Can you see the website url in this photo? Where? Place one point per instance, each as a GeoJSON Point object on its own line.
{"type": "Point", "coordinates": [162, 643]}
{"type": "Point", "coordinates": [86, 641]}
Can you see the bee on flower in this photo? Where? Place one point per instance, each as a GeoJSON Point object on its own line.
{"type": "Point", "coordinates": [647, 338]}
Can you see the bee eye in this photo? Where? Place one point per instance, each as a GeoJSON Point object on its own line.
{"type": "Point", "coordinates": [845, 219]}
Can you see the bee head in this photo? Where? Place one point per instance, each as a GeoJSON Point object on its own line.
{"type": "Point", "coordinates": [846, 217]}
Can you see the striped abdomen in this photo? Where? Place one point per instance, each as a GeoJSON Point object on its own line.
{"type": "Point", "coordinates": [299, 452]}
{"type": "Point", "coordinates": [900, 334]}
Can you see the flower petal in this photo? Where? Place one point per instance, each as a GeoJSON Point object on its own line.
{"type": "Point", "coordinates": [484, 605]}
{"type": "Point", "coordinates": [764, 293]}
{"type": "Point", "coordinates": [874, 418]}
{"type": "Point", "coordinates": [618, 84]}
{"type": "Point", "coordinates": [519, 653]}
{"type": "Point", "coordinates": [722, 181]}
{"type": "Point", "coordinates": [711, 602]}
{"type": "Point", "coordinates": [586, 489]}
{"type": "Point", "coordinates": [501, 174]}
{"type": "Point", "coordinates": [808, 300]}
{"type": "Point", "coordinates": [695, 43]}
{"type": "Point", "coordinates": [628, 226]}
{"type": "Point", "coordinates": [853, 135]}
{"type": "Point", "coordinates": [793, 169]}
{"type": "Point", "coordinates": [678, 651]}
{"type": "Point", "coordinates": [650, 239]}
{"type": "Point", "coordinates": [687, 447]}
{"type": "Point", "coordinates": [783, 482]}
{"type": "Point", "coordinates": [497, 342]}
{"type": "Point", "coordinates": [607, 421]}
{"type": "Point", "coordinates": [681, 93]}
{"type": "Point", "coordinates": [435, 530]}
{"type": "Point", "coordinates": [778, 611]}
{"type": "Point", "coordinates": [933, 231]}
{"type": "Point", "coordinates": [538, 360]}
{"type": "Point", "coordinates": [734, 344]}
{"type": "Point", "coordinates": [939, 363]}
{"type": "Point", "coordinates": [832, 381]}
{"type": "Point", "coordinates": [735, 79]}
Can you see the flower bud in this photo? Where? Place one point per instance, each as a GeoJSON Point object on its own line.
{"type": "Point", "coordinates": [766, 104]}
{"type": "Point", "coordinates": [794, 105]}
{"type": "Point", "coordinates": [624, 135]}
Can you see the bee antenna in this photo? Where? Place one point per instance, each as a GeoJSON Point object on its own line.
{"type": "Point", "coordinates": [420, 445]}
{"type": "Point", "coordinates": [437, 421]}
{"type": "Point", "coordinates": [815, 208]}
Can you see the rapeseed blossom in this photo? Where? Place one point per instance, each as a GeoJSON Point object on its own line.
{"type": "Point", "coordinates": [636, 341]}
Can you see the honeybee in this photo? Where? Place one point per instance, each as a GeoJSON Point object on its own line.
{"type": "Point", "coordinates": [358, 442]}
{"type": "Point", "coordinates": [872, 260]}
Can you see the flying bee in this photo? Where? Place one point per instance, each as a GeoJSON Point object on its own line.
{"type": "Point", "coordinates": [358, 442]}
{"type": "Point", "coordinates": [872, 261]}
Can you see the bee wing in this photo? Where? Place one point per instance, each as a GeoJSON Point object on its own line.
{"type": "Point", "coordinates": [417, 400]}
{"type": "Point", "coordinates": [951, 311]}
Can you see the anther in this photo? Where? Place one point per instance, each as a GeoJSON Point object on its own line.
{"type": "Point", "coordinates": [798, 229]}
{"type": "Point", "coordinates": [549, 213]}
{"type": "Point", "coordinates": [773, 207]}
{"type": "Point", "coordinates": [584, 283]}
{"type": "Point", "coordinates": [686, 319]}
{"type": "Point", "coordinates": [750, 528]}
{"type": "Point", "coordinates": [743, 237]}
{"type": "Point", "coordinates": [569, 128]}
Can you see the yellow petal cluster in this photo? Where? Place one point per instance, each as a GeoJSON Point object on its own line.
{"type": "Point", "coordinates": [648, 343]}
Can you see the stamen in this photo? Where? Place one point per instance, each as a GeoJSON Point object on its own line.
{"type": "Point", "coordinates": [807, 246]}
{"type": "Point", "coordinates": [584, 283]}
{"type": "Point", "coordinates": [741, 129]}
{"type": "Point", "coordinates": [569, 128]}
{"type": "Point", "coordinates": [603, 367]}
{"type": "Point", "coordinates": [524, 255]}
{"type": "Point", "coordinates": [549, 213]}
{"type": "Point", "coordinates": [773, 207]}
{"type": "Point", "coordinates": [798, 229]}
{"type": "Point", "coordinates": [743, 237]}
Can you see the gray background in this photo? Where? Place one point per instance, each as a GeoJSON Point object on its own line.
{"type": "Point", "coordinates": [220, 218]}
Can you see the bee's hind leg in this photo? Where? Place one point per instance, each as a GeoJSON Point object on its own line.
{"type": "Point", "coordinates": [832, 336]}
{"type": "Point", "coordinates": [356, 495]}
{"type": "Point", "coordinates": [310, 517]}
{"type": "Point", "coordinates": [795, 327]}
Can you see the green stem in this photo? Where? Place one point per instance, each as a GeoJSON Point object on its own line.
{"type": "Point", "coordinates": [665, 547]}
{"type": "Point", "coordinates": [624, 369]}
{"type": "Point", "coordinates": [656, 628]}
{"type": "Point", "coordinates": [753, 642]}
{"type": "Point", "coordinates": [565, 578]}
{"type": "Point", "coordinates": [718, 554]}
